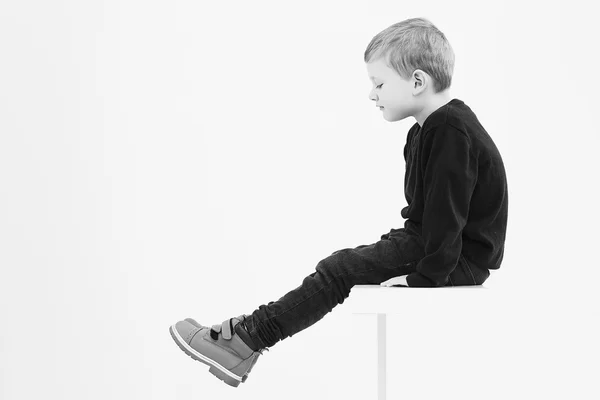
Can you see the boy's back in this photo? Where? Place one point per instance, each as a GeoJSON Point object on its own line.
{"type": "Point", "coordinates": [457, 195]}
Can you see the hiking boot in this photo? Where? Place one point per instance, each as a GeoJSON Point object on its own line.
{"type": "Point", "coordinates": [227, 347]}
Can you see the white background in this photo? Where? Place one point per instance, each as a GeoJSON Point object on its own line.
{"type": "Point", "coordinates": [164, 160]}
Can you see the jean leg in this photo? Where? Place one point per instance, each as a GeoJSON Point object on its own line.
{"type": "Point", "coordinates": [330, 285]}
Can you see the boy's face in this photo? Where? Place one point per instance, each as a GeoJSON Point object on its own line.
{"type": "Point", "coordinates": [391, 92]}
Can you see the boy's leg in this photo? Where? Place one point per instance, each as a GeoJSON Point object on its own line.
{"type": "Point", "coordinates": [395, 254]}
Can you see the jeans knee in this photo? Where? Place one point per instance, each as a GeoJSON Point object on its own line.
{"type": "Point", "coordinates": [332, 266]}
{"type": "Point", "coordinates": [332, 273]}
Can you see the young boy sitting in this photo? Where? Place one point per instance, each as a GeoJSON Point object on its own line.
{"type": "Point", "coordinates": [455, 188]}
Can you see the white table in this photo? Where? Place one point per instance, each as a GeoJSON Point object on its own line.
{"type": "Point", "coordinates": [413, 304]}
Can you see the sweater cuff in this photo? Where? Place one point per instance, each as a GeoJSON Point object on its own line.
{"type": "Point", "coordinates": [415, 279]}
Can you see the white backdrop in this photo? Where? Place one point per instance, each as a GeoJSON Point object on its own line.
{"type": "Point", "coordinates": [164, 160]}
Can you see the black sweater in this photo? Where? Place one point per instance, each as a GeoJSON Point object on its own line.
{"type": "Point", "coordinates": [457, 194]}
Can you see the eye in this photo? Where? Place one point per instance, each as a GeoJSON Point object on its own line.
{"type": "Point", "coordinates": [377, 87]}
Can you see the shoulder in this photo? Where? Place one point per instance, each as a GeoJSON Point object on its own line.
{"type": "Point", "coordinates": [448, 140]}
{"type": "Point", "coordinates": [447, 131]}
{"type": "Point", "coordinates": [455, 118]}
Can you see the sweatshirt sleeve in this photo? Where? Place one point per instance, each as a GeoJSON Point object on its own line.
{"type": "Point", "coordinates": [449, 173]}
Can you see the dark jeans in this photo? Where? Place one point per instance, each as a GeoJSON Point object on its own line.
{"type": "Point", "coordinates": [397, 253]}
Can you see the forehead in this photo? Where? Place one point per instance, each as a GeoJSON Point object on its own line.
{"type": "Point", "coordinates": [378, 70]}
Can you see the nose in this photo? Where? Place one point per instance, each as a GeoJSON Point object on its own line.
{"type": "Point", "coordinates": [372, 95]}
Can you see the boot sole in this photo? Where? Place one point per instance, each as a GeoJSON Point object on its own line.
{"type": "Point", "coordinates": [215, 368]}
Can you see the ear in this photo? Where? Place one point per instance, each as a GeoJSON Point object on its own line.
{"type": "Point", "coordinates": [419, 77]}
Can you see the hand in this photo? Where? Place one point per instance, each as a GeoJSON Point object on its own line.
{"type": "Point", "coordinates": [396, 281]}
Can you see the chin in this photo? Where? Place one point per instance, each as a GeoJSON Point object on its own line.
{"type": "Point", "coordinates": [395, 118]}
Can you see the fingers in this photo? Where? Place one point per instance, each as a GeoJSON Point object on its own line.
{"type": "Point", "coordinates": [398, 280]}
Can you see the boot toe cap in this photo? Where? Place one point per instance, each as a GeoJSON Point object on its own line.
{"type": "Point", "coordinates": [186, 329]}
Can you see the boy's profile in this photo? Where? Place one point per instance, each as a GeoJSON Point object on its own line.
{"type": "Point", "coordinates": [457, 195]}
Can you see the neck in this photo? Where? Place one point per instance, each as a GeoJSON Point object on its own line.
{"type": "Point", "coordinates": [437, 101]}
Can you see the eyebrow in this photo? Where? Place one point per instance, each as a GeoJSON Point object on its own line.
{"type": "Point", "coordinates": [374, 77]}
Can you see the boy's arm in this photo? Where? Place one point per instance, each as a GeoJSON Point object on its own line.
{"type": "Point", "coordinates": [449, 177]}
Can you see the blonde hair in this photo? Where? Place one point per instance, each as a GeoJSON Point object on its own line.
{"type": "Point", "coordinates": [412, 44]}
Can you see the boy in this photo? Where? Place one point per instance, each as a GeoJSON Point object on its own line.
{"type": "Point", "coordinates": [455, 228]}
